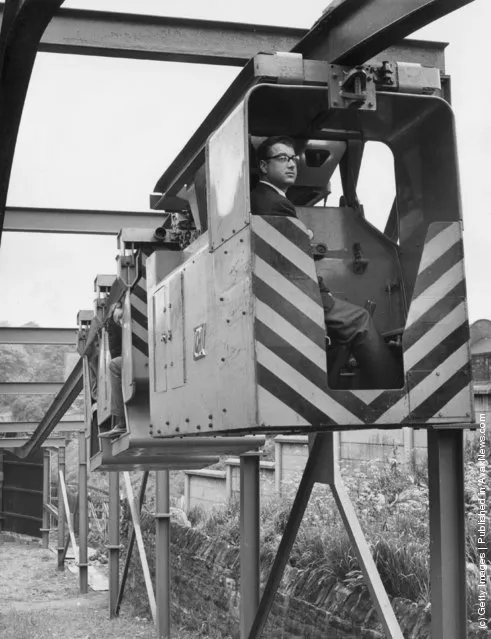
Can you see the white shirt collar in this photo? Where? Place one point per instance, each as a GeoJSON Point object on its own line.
{"type": "Point", "coordinates": [273, 187]}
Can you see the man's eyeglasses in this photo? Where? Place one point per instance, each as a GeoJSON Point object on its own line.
{"type": "Point", "coordinates": [283, 158]}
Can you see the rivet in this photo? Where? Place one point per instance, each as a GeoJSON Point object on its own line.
{"type": "Point", "coordinates": [198, 427]}
{"type": "Point", "coordinates": [233, 230]}
{"type": "Point", "coordinates": [370, 104]}
{"type": "Point", "coordinates": [167, 423]}
{"type": "Point", "coordinates": [243, 312]}
{"type": "Point", "coordinates": [159, 432]}
{"type": "Point", "coordinates": [225, 252]}
{"type": "Point", "coordinates": [335, 102]}
{"type": "Point", "coordinates": [221, 299]}
{"type": "Point", "coordinates": [241, 240]}
{"type": "Point", "coordinates": [228, 321]}
{"type": "Point", "coordinates": [210, 416]}
{"type": "Point", "coordinates": [187, 420]}
{"type": "Point", "coordinates": [222, 359]}
{"type": "Point", "coordinates": [224, 410]}
{"type": "Point", "coordinates": [210, 425]}
{"type": "Point", "coordinates": [177, 429]}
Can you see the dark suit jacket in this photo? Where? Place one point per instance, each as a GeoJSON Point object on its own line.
{"type": "Point", "coordinates": [265, 200]}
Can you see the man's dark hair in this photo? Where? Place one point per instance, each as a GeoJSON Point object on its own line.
{"type": "Point", "coordinates": [264, 149]}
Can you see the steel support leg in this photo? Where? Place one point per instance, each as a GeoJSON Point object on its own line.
{"type": "Point", "coordinates": [83, 518]}
{"type": "Point", "coordinates": [249, 541]}
{"type": "Point", "coordinates": [46, 480]}
{"type": "Point", "coordinates": [131, 544]}
{"type": "Point", "coordinates": [162, 554]}
{"type": "Point", "coordinates": [61, 510]}
{"type": "Point", "coordinates": [447, 534]}
{"type": "Point", "coordinates": [113, 545]}
{"type": "Point", "coordinates": [283, 553]}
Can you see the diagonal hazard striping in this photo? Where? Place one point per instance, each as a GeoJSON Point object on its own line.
{"type": "Point", "coordinates": [290, 333]}
{"type": "Point", "coordinates": [139, 312]}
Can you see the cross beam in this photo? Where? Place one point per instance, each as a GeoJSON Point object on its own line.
{"type": "Point", "coordinates": [133, 36]}
{"type": "Point", "coordinates": [36, 335]}
{"type": "Point", "coordinates": [80, 221]}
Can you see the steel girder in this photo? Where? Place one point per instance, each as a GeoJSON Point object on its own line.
{"type": "Point", "coordinates": [34, 335]}
{"type": "Point", "coordinates": [349, 32]}
{"type": "Point", "coordinates": [30, 427]}
{"type": "Point", "coordinates": [127, 35]}
{"type": "Point", "coordinates": [23, 25]}
{"type": "Point", "coordinates": [352, 31]}
{"type": "Point", "coordinates": [132, 36]}
{"type": "Point", "coordinates": [62, 402]}
{"type": "Point", "coordinates": [80, 221]}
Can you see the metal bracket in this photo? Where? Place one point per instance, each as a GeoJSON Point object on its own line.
{"type": "Point", "coordinates": [351, 87]}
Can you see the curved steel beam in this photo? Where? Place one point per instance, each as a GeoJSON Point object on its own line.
{"type": "Point", "coordinates": [23, 24]}
{"type": "Point", "coordinates": [352, 31]}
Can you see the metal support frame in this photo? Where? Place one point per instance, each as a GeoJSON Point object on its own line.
{"type": "Point", "coordinates": [447, 534]}
{"type": "Point", "coordinates": [113, 545]}
{"type": "Point", "coordinates": [321, 467]}
{"type": "Point", "coordinates": [46, 480]}
{"type": "Point", "coordinates": [1, 490]}
{"type": "Point", "coordinates": [131, 543]}
{"type": "Point", "coordinates": [162, 554]}
{"type": "Point", "coordinates": [83, 518]}
{"type": "Point", "coordinates": [68, 515]}
{"type": "Point", "coordinates": [135, 516]}
{"type": "Point", "coordinates": [61, 510]}
{"type": "Point", "coordinates": [249, 541]}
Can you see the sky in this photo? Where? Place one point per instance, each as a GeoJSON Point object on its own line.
{"type": "Point", "coordinates": [97, 133]}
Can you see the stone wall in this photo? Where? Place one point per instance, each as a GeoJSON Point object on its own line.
{"type": "Point", "coordinates": [205, 596]}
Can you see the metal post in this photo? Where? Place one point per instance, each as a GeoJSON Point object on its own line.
{"type": "Point", "coordinates": [46, 480]}
{"type": "Point", "coordinates": [1, 489]}
{"type": "Point", "coordinates": [278, 466]}
{"type": "Point", "coordinates": [162, 554]}
{"type": "Point", "coordinates": [187, 492]}
{"type": "Point", "coordinates": [289, 535]}
{"type": "Point", "coordinates": [61, 510]}
{"type": "Point", "coordinates": [113, 545]}
{"type": "Point", "coordinates": [249, 541]}
{"type": "Point", "coordinates": [131, 544]}
{"type": "Point", "coordinates": [447, 534]}
{"type": "Point", "coordinates": [83, 519]}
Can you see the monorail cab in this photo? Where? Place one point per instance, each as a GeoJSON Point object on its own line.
{"type": "Point", "coordinates": [263, 298]}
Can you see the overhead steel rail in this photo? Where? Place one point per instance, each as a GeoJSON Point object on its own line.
{"type": "Point", "coordinates": [349, 32]}
{"type": "Point", "coordinates": [33, 25]}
